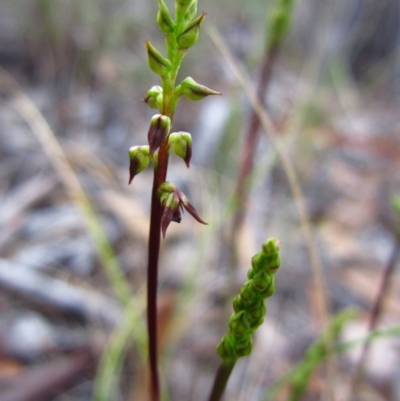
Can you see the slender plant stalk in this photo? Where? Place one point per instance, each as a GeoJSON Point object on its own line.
{"type": "Point", "coordinates": [160, 175]}
{"type": "Point", "coordinates": [378, 304]}
{"type": "Point", "coordinates": [167, 201]}
{"type": "Point", "coordinates": [278, 24]}
{"type": "Point", "coordinates": [221, 379]}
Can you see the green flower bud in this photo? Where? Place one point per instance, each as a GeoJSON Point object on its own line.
{"type": "Point", "coordinates": [157, 62]}
{"type": "Point", "coordinates": [194, 91]}
{"type": "Point", "coordinates": [248, 293]}
{"type": "Point", "coordinates": [191, 11]}
{"type": "Point", "coordinates": [160, 126]}
{"type": "Point", "coordinates": [238, 304]}
{"type": "Point", "coordinates": [239, 324]}
{"type": "Point", "coordinates": [166, 187]}
{"type": "Point", "coordinates": [190, 34]}
{"type": "Point", "coordinates": [257, 262]}
{"type": "Point", "coordinates": [164, 19]}
{"type": "Point", "coordinates": [153, 96]}
{"type": "Point", "coordinates": [270, 289]}
{"type": "Point", "coordinates": [186, 12]}
{"type": "Point", "coordinates": [254, 324]}
{"type": "Point", "coordinates": [250, 274]}
{"type": "Point", "coordinates": [139, 160]}
{"type": "Point", "coordinates": [181, 143]}
{"type": "Point", "coordinates": [226, 347]}
{"type": "Point", "coordinates": [268, 258]}
{"type": "Point", "coordinates": [257, 311]}
{"type": "Point", "coordinates": [262, 280]}
{"type": "Point", "coordinates": [171, 201]}
{"type": "Point", "coordinates": [271, 246]}
{"type": "Point", "coordinates": [244, 346]}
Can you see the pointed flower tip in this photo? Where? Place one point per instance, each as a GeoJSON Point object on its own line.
{"type": "Point", "coordinates": [138, 160]}
{"type": "Point", "coordinates": [191, 210]}
{"type": "Point", "coordinates": [181, 143]}
{"type": "Point", "coordinates": [190, 34]}
{"type": "Point", "coordinates": [173, 201]}
{"type": "Point", "coordinates": [195, 91]}
{"type": "Point", "coordinates": [157, 62]}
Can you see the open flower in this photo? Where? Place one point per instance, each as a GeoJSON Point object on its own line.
{"type": "Point", "coordinates": [173, 202]}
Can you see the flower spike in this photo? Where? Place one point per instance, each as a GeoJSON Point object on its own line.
{"type": "Point", "coordinates": [249, 305]}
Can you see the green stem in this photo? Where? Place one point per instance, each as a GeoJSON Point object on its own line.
{"type": "Point", "coordinates": [221, 379]}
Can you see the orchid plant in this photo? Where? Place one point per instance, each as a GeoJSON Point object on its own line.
{"type": "Point", "coordinates": [181, 33]}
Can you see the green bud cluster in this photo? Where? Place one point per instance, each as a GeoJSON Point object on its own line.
{"type": "Point", "coordinates": [249, 305]}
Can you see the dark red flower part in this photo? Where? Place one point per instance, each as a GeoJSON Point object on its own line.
{"type": "Point", "coordinates": [173, 204]}
{"type": "Point", "coordinates": [167, 217]}
{"type": "Point", "coordinates": [132, 169]}
{"type": "Point", "coordinates": [188, 155]}
{"type": "Point", "coordinates": [191, 210]}
{"type": "Point", "coordinates": [160, 126]}
{"type": "Point", "coordinates": [177, 218]}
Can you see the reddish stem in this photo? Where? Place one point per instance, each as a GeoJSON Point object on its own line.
{"type": "Point", "coordinates": [251, 138]}
{"type": "Point", "coordinates": [160, 174]}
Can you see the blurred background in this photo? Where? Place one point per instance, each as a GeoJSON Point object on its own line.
{"type": "Point", "coordinates": [72, 76]}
